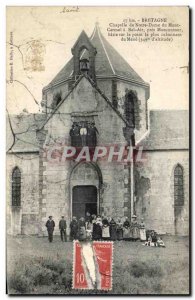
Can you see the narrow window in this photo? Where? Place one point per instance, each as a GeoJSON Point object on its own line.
{"type": "Point", "coordinates": [129, 109]}
{"type": "Point", "coordinates": [114, 93]}
{"type": "Point", "coordinates": [16, 187]}
{"type": "Point", "coordinates": [178, 186]}
{"type": "Point", "coordinates": [57, 98]}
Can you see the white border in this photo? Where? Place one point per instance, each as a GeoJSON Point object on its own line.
{"type": "Point", "coordinates": [3, 4]}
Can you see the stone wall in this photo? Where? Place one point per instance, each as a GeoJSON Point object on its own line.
{"type": "Point", "coordinates": [155, 202]}
{"type": "Point", "coordinates": [23, 220]}
{"type": "Point", "coordinates": [85, 102]}
{"type": "Point", "coordinates": [47, 180]}
{"type": "Point", "coordinates": [106, 87]}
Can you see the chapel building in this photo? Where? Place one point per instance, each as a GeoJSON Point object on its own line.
{"type": "Point", "coordinates": [97, 100]}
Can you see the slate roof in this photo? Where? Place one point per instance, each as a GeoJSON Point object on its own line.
{"type": "Point", "coordinates": [108, 62]}
{"type": "Point", "coordinates": [24, 127]}
{"type": "Point", "coordinates": [169, 129]}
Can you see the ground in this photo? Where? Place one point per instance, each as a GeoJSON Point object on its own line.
{"type": "Point", "coordinates": [35, 266]}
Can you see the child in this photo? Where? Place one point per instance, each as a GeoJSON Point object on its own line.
{"type": "Point", "coordinates": [149, 241]}
{"type": "Point", "coordinates": [154, 237]}
{"type": "Point", "coordinates": [160, 242]}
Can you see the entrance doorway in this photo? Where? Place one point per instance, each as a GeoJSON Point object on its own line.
{"type": "Point", "coordinates": [84, 199]}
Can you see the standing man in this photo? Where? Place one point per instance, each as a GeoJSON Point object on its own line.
{"type": "Point", "coordinates": [73, 229]}
{"type": "Point", "coordinates": [50, 228]}
{"type": "Point", "coordinates": [62, 227]}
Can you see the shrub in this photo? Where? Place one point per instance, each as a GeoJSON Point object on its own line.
{"type": "Point", "coordinates": [57, 266]}
{"type": "Point", "coordinates": [43, 276]}
{"type": "Point", "coordinates": [66, 280]}
{"type": "Point", "coordinates": [19, 283]}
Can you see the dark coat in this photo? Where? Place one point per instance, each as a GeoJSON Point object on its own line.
{"type": "Point", "coordinates": [50, 225]}
{"type": "Point", "coordinates": [62, 224]}
{"type": "Point", "coordinates": [97, 231]}
{"type": "Point", "coordinates": [119, 230]}
{"type": "Point", "coordinates": [73, 229]}
{"type": "Point", "coordinates": [113, 234]}
{"type": "Point", "coordinates": [105, 222]}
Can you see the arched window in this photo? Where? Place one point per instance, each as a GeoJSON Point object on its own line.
{"type": "Point", "coordinates": [130, 109]}
{"type": "Point", "coordinates": [178, 186]}
{"type": "Point", "coordinates": [16, 187]}
{"type": "Point", "coordinates": [57, 99]}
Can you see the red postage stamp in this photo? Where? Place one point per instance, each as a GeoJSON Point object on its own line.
{"type": "Point", "coordinates": [92, 265]}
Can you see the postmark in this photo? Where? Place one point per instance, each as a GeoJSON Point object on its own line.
{"type": "Point", "coordinates": [92, 265]}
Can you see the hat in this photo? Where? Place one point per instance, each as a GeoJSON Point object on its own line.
{"type": "Point", "coordinates": [62, 216]}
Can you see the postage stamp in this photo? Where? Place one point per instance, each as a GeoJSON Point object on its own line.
{"type": "Point", "coordinates": [92, 265]}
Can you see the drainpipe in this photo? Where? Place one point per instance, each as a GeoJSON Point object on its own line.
{"type": "Point", "coordinates": [128, 133]}
{"type": "Point", "coordinates": [132, 186]}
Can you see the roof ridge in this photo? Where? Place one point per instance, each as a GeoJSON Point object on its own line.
{"type": "Point", "coordinates": [123, 59]}
{"type": "Point", "coordinates": [99, 34]}
{"type": "Point", "coordinates": [109, 62]}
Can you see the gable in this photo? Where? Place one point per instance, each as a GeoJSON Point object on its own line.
{"type": "Point", "coordinates": [86, 103]}
{"type": "Point", "coordinates": [85, 96]}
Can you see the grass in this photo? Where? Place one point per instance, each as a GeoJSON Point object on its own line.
{"type": "Point", "coordinates": [38, 267]}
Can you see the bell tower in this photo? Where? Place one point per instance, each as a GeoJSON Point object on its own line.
{"type": "Point", "coordinates": [84, 57]}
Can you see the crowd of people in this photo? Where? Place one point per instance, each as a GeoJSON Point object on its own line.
{"type": "Point", "coordinates": [103, 228]}
{"type": "Point", "coordinates": [99, 228]}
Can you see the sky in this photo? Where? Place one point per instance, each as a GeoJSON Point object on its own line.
{"type": "Point", "coordinates": [162, 64]}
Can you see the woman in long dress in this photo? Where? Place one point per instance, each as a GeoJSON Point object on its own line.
{"type": "Point", "coordinates": [119, 230]}
{"type": "Point", "coordinates": [105, 229]}
{"type": "Point", "coordinates": [82, 230]}
{"type": "Point", "coordinates": [142, 231]}
{"type": "Point", "coordinates": [89, 228]}
{"type": "Point", "coordinates": [134, 230]}
{"type": "Point", "coordinates": [97, 229]}
{"type": "Point", "coordinates": [113, 235]}
{"type": "Point", "coordinates": [126, 230]}
{"type": "Point", "coordinates": [93, 226]}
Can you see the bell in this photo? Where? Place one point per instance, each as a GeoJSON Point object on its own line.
{"type": "Point", "coordinates": [84, 65]}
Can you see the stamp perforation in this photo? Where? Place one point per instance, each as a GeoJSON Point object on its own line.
{"type": "Point", "coordinates": [98, 258]}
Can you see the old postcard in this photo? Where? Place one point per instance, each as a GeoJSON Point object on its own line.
{"type": "Point", "coordinates": [97, 150]}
